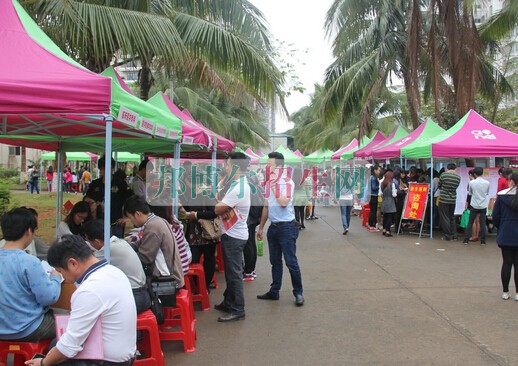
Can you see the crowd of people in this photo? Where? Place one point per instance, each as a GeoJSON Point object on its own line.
{"type": "Point", "coordinates": [158, 246]}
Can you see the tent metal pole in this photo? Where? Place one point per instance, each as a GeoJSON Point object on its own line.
{"type": "Point", "coordinates": [214, 174]}
{"type": "Point", "coordinates": [59, 188]}
{"type": "Point", "coordinates": [176, 177]}
{"type": "Point", "coordinates": [107, 186]}
{"type": "Point", "coordinates": [432, 202]}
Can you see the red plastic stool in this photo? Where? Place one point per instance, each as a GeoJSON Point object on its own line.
{"type": "Point", "coordinates": [187, 287]}
{"type": "Point", "coordinates": [196, 276]}
{"type": "Point", "coordinates": [150, 343]}
{"type": "Point", "coordinates": [22, 351]}
{"type": "Point", "coordinates": [365, 213]}
{"type": "Point", "coordinates": [219, 258]}
{"type": "Point", "coordinates": [187, 333]}
{"type": "Point", "coordinates": [215, 281]}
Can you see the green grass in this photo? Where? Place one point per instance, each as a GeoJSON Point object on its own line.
{"type": "Point", "coordinates": [45, 204]}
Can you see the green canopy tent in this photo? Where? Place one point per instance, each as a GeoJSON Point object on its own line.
{"type": "Point", "coordinates": [289, 156]}
{"type": "Point", "coordinates": [125, 157]}
{"type": "Point", "coordinates": [71, 156]}
{"type": "Point", "coordinates": [319, 156]}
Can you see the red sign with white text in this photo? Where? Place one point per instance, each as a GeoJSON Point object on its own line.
{"type": "Point", "coordinates": [415, 203]}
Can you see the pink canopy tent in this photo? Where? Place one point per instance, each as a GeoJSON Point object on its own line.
{"type": "Point", "coordinates": [424, 131]}
{"type": "Point", "coordinates": [298, 153]}
{"type": "Point", "coordinates": [254, 158]}
{"type": "Point", "coordinates": [34, 80]}
{"type": "Point", "coordinates": [219, 141]}
{"type": "Point", "coordinates": [367, 152]}
{"type": "Point", "coordinates": [379, 137]}
{"type": "Point", "coordinates": [475, 137]}
{"type": "Point", "coordinates": [351, 145]}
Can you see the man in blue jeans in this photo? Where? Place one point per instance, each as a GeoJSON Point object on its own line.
{"type": "Point", "coordinates": [283, 233]}
{"type": "Point", "coordinates": [233, 210]}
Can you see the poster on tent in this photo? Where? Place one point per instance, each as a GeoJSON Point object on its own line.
{"type": "Point", "coordinates": [490, 174]}
{"type": "Point", "coordinates": [415, 203]}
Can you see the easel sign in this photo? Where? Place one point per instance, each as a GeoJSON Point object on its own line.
{"type": "Point", "coordinates": [415, 204]}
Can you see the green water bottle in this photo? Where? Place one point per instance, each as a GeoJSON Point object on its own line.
{"type": "Point", "coordinates": [260, 248]}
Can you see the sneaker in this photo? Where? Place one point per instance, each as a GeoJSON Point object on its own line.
{"type": "Point", "coordinates": [505, 296]}
{"type": "Point", "coordinates": [465, 242]}
{"type": "Point", "coordinates": [345, 232]}
{"type": "Point", "coordinates": [254, 273]}
{"type": "Point", "coordinates": [516, 297]}
{"type": "Point", "coordinates": [482, 242]}
{"type": "Point", "coordinates": [373, 229]}
{"type": "Point", "coordinates": [248, 277]}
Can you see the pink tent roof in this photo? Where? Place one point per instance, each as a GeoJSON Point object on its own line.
{"type": "Point", "coordinates": [298, 153]}
{"type": "Point", "coordinates": [218, 140]}
{"type": "Point", "coordinates": [477, 137]}
{"type": "Point", "coordinates": [34, 80]}
{"type": "Point", "coordinates": [379, 137]}
{"type": "Point", "coordinates": [250, 152]}
{"type": "Point", "coordinates": [191, 134]}
{"type": "Point", "coordinates": [394, 149]}
{"type": "Point", "coordinates": [340, 151]}
{"type": "Point", "coordinates": [367, 152]}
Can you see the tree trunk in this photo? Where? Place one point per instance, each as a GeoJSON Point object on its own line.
{"type": "Point", "coordinates": [145, 80]}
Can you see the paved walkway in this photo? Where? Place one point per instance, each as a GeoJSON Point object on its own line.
{"type": "Point", "coordinates": [370, 300]}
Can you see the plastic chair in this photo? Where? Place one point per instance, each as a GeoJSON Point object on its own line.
{"type": "Point", "coordinates": [196, 277]}
{"type": "Point", "coordinates": [149, 344]}
{"type": "Point", "coordinates": [22, 351]}
{"type": "Point", "coordinates": [186, 333]}
{"type": "Point", "coordinates": [219, 258]}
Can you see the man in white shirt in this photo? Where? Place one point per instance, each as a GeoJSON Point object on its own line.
{"type": "Point", "coordinates": [234, 209]}
{"type": "Point", "coordinates": [479, 191]}
{"type": "Point", "coordinates": [283, 233]}
{"type": "Point", "coordinates": [103, 292]}
{"type": "Point", "coordinates": [138, 185]}
{"type": "Point", "coordinates": [124, 258]}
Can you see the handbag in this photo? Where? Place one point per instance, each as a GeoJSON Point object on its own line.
{"type": "Point", "coordinates": [464, 220]}
{"type": "Point", "coordinates": [162, 291]}
{"type": "Point", "coordinates": [211, 229]}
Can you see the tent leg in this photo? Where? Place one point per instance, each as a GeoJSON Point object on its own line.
{"type": "Point", "coordinates": [107, 185]}
{"type": "Point", "coordinates": [174, 192]}
{"type": "Point", "coordinates": [214, 174]}
{"type": "Point", "coordinates": [59, 189]}
{"type": "Point", "coordinates": [432, 202]}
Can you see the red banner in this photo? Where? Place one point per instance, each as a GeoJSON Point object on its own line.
{"type": "Point", "coordinates": [415, 204]}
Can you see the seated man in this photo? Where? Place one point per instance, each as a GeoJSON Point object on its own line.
{"type": "Point", "coordinates": [157, 248]}
{"type": "Point", "coordinates": [124, 258]}
{"type": "Point", "coordinates": [27, 290]}
{"type": "Point", "coordinates": [103, 292]}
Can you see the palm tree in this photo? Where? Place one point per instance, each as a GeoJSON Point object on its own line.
{"type": "Point", "coordinates": [208, 40]}
{"type": "Point", "coordinates": [371, 45]}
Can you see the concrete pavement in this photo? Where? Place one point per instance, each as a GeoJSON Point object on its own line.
{"type": "Point", "coordinates": [370, 300]}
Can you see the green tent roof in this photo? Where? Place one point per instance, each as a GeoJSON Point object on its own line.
{"type": "Point", "coordinates": [421, 148]}
{"type": "Point", "coordinates": [319, 156]}
{"type": "Point", "coordinates": [289, 156]}
{"type": "Point", "coordinates": [71, 156]}
{"type": "Point", "coordinates": [148, 118]}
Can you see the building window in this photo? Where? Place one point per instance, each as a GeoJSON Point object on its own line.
{"type": "Point", "coordinates": [14, 150]}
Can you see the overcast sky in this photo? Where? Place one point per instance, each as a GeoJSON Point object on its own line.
{"type": "Point", "coordinates": [300, 22]}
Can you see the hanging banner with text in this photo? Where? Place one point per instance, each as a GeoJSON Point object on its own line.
{"type": "Point", "coordinates": [416, 199]}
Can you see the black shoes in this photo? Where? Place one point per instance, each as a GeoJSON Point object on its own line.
{"type": "Point", "coordinates": [299, 300]}
{"type": "Point", "coordinates": [231, 317]}
{"type": "Point", "coordinates": [223, 308]}
{"type": "Point", "coordinates": [465, 241]}
{"type": "Point", "coordinates": [268, 296]}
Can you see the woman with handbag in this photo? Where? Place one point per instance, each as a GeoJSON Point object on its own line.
{"type": "Point", "coordinates": [202, 234]}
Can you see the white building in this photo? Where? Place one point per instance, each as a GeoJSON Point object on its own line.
{"type": "Point", "coordinates": [11, 156]}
